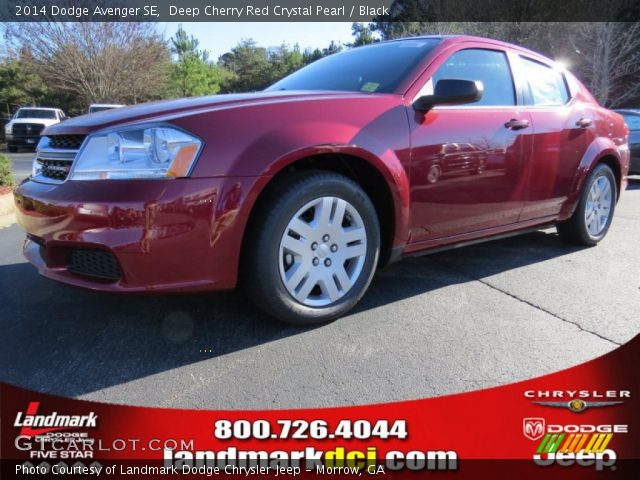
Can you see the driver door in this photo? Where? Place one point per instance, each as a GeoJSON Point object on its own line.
{"type": "Point", "coordinates": [468, 162]}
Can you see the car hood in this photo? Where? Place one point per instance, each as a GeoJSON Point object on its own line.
{"type": "Point", "coordinates": [42, 121]}
{"type": "Point", "coordinates": [168, 109]}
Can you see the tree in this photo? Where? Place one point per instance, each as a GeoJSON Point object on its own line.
{"type": "Point", "coordinates": [249, 67]}
{"type": "Point", "coordinates": [608, 60]}
{"type": "Point", "coordinates": [363, 35]}
{"type": "Point", "coordinates": [18, 86]}
{"type": "Point", "coordinates": [284, 61]}
{"type": "Point", "coordinates": [192, 74]}
{"type": "Point", "coordinates": [115, 62]}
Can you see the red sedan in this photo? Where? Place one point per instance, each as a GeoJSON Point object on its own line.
{"type": "Point", "coordinates": [300, 192]}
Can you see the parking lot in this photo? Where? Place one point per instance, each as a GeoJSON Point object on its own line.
{"type": "Point", "coordinates": [455, 321]}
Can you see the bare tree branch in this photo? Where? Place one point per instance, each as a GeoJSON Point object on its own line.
{"type": "Point", "coordinates": [97, 62]}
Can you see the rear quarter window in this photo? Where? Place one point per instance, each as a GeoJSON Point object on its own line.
{"type": "Point", "coordinates": [547, 85]}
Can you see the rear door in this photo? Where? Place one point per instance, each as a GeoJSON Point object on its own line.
{"type": "Point", "coordinates": [468, 162]}
{"type": "Point", "coordinates": [562, 129]}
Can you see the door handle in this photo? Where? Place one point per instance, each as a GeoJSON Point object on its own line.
{"type": "Point", "coordinates": [584, 123]}
{"type": "Point", "coordinates": [515, 124]}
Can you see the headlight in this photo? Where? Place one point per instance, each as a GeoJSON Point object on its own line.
{"type": "Point", "coordinates": [7, 129]}
{"type": "Point", "coordinates": [151, 152]}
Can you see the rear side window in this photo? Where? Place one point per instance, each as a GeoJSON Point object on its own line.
{"type": "Point", "coordinates": [488, 66]}
{"type": "Point", "coordinates": [546, 84]}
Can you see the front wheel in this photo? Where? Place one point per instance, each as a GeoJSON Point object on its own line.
{"type": "Point", "coordinates": [312, 249]}
{"type": "Point", "coordinates": [592, 217]}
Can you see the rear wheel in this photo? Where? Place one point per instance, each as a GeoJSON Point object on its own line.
{"type": "Point", "coordinates": [312, 249]}
{"type": "Point", "coordinates": [592, 218]}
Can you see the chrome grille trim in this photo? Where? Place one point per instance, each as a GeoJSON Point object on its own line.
{"type": "Point", "coordinates": [54, 164]}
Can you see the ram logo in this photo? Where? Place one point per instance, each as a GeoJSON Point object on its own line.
{"type": "Point", "coordinates": [533, 428]}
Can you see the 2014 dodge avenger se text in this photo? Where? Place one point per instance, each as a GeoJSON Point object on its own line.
{"type": "Point", "coordinates": [300, 192]}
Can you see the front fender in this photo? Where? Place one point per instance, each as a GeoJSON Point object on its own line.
{"type": "Point", "coordinates": [262, 140]}
{"type": "Point", "coordinates": [388, 164]}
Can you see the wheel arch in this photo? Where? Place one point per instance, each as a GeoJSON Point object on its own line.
{"type": "Point", "coordinates": [600, 151]}
{"type": "Point", "coordinates": [387, 187]}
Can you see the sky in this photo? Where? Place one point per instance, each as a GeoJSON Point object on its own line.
{"type": "Point", "coordinates": [219, 38]}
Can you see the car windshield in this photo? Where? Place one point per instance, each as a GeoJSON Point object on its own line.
{"type": "Point", "coordinates": [632, 120]}
{"type": "Point", "coordinates": [374, 68]}
{"type": "Point", "coordinates": [99, 109]}
{"type": "Point", "coordinates": [35, 113]}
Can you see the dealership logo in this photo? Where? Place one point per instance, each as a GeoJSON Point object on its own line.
{"type": "Point", "coordinates": [29, 420]}
{"type": "Point", "coordinates": [577, 401]}
{"type": "Point", "coordinates": [577, 405]}
{"type": "Point", "coordinates": [533, 428]}
{"type": "Point", "coordinates": [584, 444]}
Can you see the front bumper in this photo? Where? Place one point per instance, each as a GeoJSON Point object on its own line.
{"type": "Point", "coordinates": [161, 235]}
{"type": "Point", "coordinates": [22, 140]}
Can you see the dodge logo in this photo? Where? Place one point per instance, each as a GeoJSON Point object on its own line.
{"type": "Point", "coordinates": [533, 428]}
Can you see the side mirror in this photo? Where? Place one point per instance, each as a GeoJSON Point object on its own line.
{"type": "Point", "coordinates": [450, 92]}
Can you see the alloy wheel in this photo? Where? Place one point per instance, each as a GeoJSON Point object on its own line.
{"type": "Point", "coordinates": [598, 208]}
{"type": "Point", "coordinates": [322, 251]}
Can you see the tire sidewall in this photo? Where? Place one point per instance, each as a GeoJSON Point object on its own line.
{"type": "Point", "coordinates": [599, 171]}
{"type": "Point", "coordinates": [284, 305]}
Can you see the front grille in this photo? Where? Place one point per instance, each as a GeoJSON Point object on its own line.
{"type": "Point", "coordinates": [94, 263]}
{"type": "Point", "coordinates": [55, 156]}
{"type": "Point", "coordinates": [55, 169]}
{"type": "Point", "coordinates": [68, 142]}
{"type": "Point", "coordinates": [27, 129]}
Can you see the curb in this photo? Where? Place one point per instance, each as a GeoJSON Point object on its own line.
{"type": "Point", "coordinates": [6, 204]}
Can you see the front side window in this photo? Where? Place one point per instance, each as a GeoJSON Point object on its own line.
{"type": "Point", "coordinates": [488, 66]}
{"type": "Point", "coordinates": [546, 85]}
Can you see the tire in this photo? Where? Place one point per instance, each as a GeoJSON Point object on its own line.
{"type": "Point", "coordinates": [12, 149]}
{"type": "Point", "coordinates": [289, 267]}
{"type": "Point", "coordinates": [587, 225]}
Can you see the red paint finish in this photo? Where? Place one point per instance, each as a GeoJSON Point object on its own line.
{"type": "Point", "coordinates": [456, 173]}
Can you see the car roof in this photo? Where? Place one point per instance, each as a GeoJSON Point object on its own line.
{"type": "Point", "coordinates": [38, 108]}
{"type": "Point", "coordinates": [454, 39]}
{"type": "Point", "coordinates": [106, 105]}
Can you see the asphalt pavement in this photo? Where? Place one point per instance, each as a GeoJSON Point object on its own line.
{"type": "Point", "coordinates": [456, 321]}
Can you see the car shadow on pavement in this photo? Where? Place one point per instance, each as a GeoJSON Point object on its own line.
{"type": "Point", "coordinates": [67, 341]}
{"type": "Point", "coordinates": [634, 183]}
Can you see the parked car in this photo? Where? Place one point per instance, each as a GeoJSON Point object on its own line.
{"type": "Point", "coordinates": [298, 193]}
{"type": "Point", "coordinates": [27, 124]}
{"type": "Point", "coordinates": [632, 119]}
{"type": "Point", "coordinates": [101, 107]}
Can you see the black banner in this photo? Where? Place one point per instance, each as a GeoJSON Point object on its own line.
{"type": "Point", "coordinates": [319, 10]}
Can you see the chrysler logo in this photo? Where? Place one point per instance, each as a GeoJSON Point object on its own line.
{"type": "Point", "coordinates": [533, 428]}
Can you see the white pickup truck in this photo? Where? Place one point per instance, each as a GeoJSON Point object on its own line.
{"type": "Point", "coordinates": [24, 129]}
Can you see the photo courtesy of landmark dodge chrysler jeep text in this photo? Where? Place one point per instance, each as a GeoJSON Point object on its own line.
{"type": "Point", "coordinates": [298, 193]}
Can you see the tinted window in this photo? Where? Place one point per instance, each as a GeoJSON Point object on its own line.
{"type": "Point", "coordinates": [633, 121]}
{"type": "Point", "coordinates": [546, 84]}
{"type": "Point", "coordinates": [373, 68]}
{"type": "Point", "coordinates": [488, 66]}
{"type": "Point", "coordinates": [99, 109]}
{"type": "Point", "coordinates": [35, 113]}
